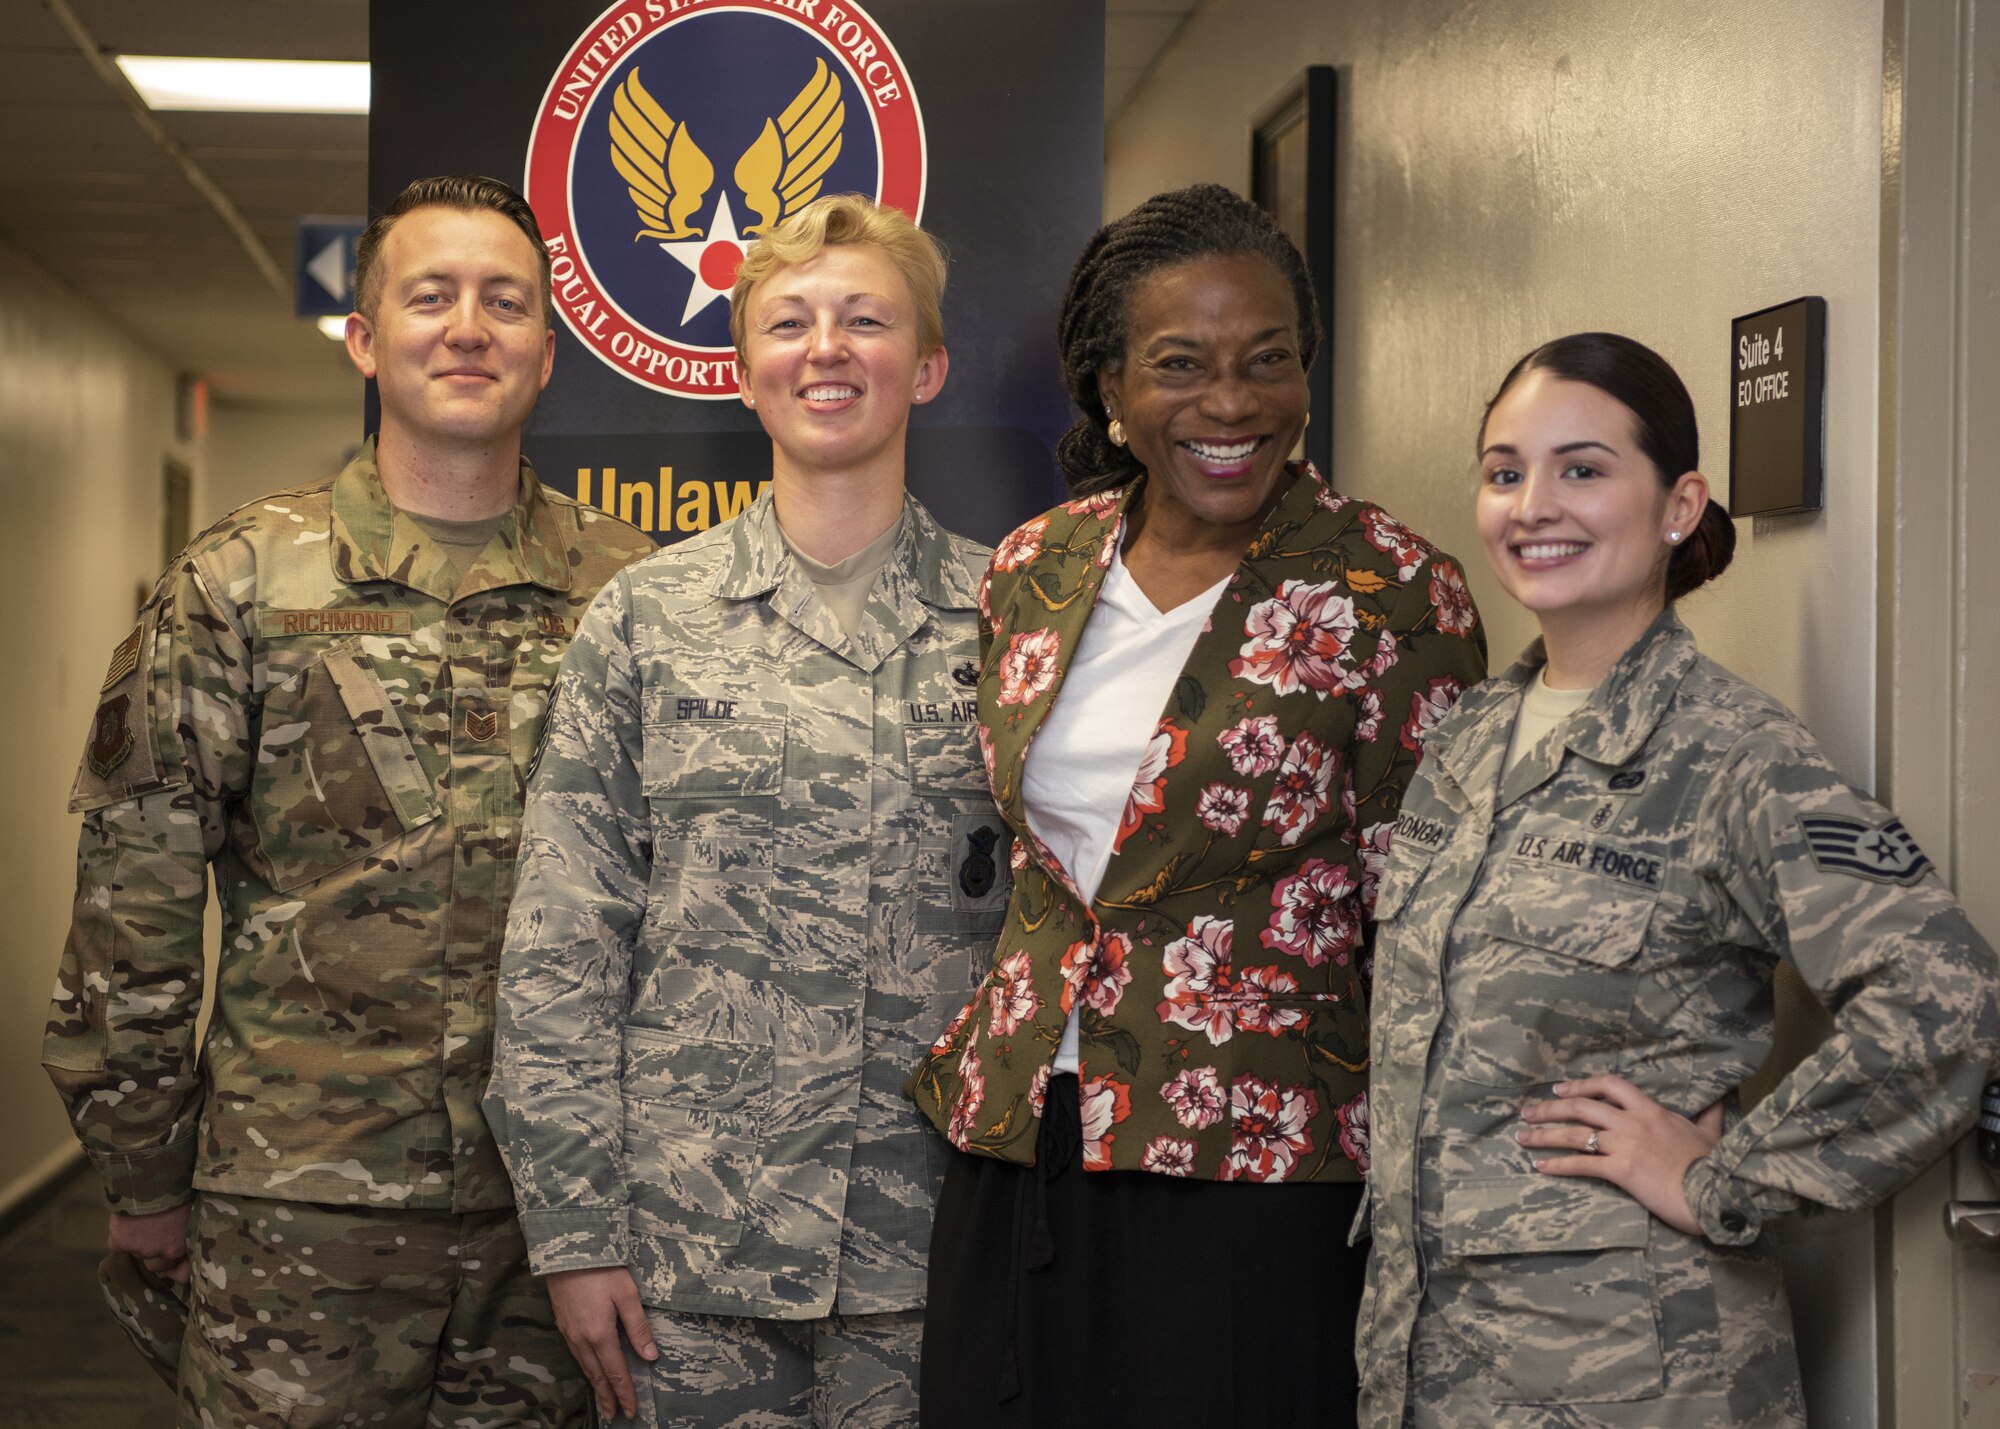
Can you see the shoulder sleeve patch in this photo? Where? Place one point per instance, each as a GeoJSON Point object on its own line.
{"type": "Point", "coordinates": [1848, 846]}
{"type": "Point", "coordinates": [119, 759]}
{"type": "Point", "coordinates": [124, 657]}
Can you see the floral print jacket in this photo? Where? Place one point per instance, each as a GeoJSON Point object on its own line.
{"type": "Point", "coordinates": [1222, 969]}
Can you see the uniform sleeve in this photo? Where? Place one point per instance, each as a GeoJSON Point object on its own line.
{"type": "Point", "coordinates": [1802, 864]}
{"type": "Point", "coordinates": [586, 857]}
{"type": "Point", "coordinates": [1433, 650]}
{"type": "Point", "coordinates": [166, 754]}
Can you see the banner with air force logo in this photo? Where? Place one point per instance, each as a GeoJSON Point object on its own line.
{"type": "Point", "coordinates": [657, 139]}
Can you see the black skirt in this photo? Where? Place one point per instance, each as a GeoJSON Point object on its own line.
{"type": "Point", "coordinates": [1063, 1297]}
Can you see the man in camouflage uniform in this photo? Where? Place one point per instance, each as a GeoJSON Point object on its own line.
{"type": "Point", "coordinates": [333, 697]}
{"type": "Point", "coordinates": [1615, 904]}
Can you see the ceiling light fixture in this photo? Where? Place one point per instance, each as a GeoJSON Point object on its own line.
{"type": "Point", "coordinates": [335, 328]}
{"type": "Point", "coordinates": [250, 86]}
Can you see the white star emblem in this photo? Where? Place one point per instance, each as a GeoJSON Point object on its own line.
{"type": "Point", "coordinates": [712, 260]}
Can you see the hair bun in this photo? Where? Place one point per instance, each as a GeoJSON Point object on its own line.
{"type": "Point", "coordinates": [1704, 555]}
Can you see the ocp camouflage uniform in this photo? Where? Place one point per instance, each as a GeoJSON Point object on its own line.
{"type": "Point", "coordinates": [760, 863]}
{"type": "Point", "coordinates": [1618, 904]}
{"type": "Point", "coordinates": [314, 703]}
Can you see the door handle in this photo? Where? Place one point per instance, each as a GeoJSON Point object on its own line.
{"type": "Point", "coordinates": [1973, 1223]}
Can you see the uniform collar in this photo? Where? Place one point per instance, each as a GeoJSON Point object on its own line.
{"type": "Point", "coordinates": [1609, 728]}
{"type": "Point", "coordinates": [1629, 702]}
{"type": "Point", "coordinates": [759, 561]}
{"type": "Point", "coordinates": [924, 572]}
{"type": "Point", "coordinates": [371, 540]}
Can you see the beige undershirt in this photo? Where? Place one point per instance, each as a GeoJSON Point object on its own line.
{"type": "Point", "coordinates": [462, 541]}
{"type": "Point", "coordinates": [846, 585]}
{"type": "Point", "coordinates": [1543, 711]}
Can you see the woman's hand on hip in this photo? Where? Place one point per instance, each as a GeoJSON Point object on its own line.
{"type": "Point", "coordinates": [1614, 1132]}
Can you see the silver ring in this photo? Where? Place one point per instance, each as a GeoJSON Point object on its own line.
{"type": "Point", "coordinates": [1590, 1146]}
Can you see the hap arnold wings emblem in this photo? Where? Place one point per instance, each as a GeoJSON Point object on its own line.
{"type": "Point", "coordinates": [645, 229]}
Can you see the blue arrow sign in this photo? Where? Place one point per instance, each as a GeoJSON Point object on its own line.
{"type": "Point", "coordinates": [325, 265]}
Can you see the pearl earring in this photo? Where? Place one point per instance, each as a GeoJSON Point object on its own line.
{"type": "Point", "coordinates": [1673, 535]}
{"type": "Point", "coordinates": [1116, 431]}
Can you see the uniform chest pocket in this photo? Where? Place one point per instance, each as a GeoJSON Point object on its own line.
{"type": "Point", "coordinates": [1388, 1001]}
{"type": "Point", "coordinates": [1544, 978]}
{"type": "Point", "coordinates": [1549, 1283]}
{"type": "Point", "coordinates": [714, 789]}
{"type": "Point", "coordinates": [337, 775]}
{"type": "Point", "coordinates": [963, 880]}
{"type": "Point", "coordinates": [1400, 877]}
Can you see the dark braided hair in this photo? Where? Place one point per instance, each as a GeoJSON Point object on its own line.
{"type": "Point", "coordinates": [1201, 221]}
{"type": "Point", "coordinates": [1646, 384]}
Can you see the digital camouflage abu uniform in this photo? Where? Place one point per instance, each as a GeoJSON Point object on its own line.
{"type": "Point", "coordinates": [1618, 904]}
{"type": "Point", "coordinates": [760, 862]}
{"type": "Point", "coordinates": [313, 704]}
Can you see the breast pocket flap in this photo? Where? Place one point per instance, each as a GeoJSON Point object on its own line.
{"type": "Point", "coordinates": [944, 759]}
{"type": "Point", "coordinates": [710, 759]}
{"type": "Point", "coordinates": [1536, 1215]}
{"type": "Point", "coordinates": [390, 750]}
{"type": "Point", "coordinates": [1578, 917]}
{"type": "Point", "coordinates": [1399, 881]}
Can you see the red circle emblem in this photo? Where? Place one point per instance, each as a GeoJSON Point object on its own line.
{"type": "Point", "coordinates": [674, 133]}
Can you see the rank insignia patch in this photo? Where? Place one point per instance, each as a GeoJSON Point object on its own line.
{"type": "Point", "coordinates": [124, 659]}
{"type": "Point", "coordinates": [1887, 854]}
{"type": "Point", "coordinates": [111, 736]}
{"type": "Point", "coordinates": [482, 725]}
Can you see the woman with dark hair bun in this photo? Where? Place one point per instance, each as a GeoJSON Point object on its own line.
{"type": "Point", "coordinates": [1203, 683]}
{"type": "Point", "coordinates": [1603, 858]}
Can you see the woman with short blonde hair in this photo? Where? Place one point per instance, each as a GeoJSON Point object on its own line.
{"type": "Point", "coordinates": [759, 859]}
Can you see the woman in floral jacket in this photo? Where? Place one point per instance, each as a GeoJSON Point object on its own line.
{"type": "Point", "coordinates": [1221, 667]}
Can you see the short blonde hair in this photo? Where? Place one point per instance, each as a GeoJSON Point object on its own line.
{"type": "Point", "coordinates": [841, 219]}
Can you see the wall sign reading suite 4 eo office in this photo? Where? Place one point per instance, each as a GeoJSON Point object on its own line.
{"type": "Point", "coordinates": [1777, 410]}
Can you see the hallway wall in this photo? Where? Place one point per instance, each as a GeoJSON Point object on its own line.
{"type": "Point", "coordinates": [89, 420]}
{"type": "Point", "coordinates": [1511, 170]}
{"type": "Point", "coordinates": [255, 449]}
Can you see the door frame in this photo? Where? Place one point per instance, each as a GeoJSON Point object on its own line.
{"type": "Point", "coordinates": [1937, 666]}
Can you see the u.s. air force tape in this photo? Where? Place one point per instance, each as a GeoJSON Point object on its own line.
{"type": "Point", "coordinates": [1887, 854]}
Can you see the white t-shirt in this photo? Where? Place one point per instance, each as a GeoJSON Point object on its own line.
{"type": "Point", "coordinates": [1084, 761]}
{"type": "Point", "coordinates": [1543, 710]}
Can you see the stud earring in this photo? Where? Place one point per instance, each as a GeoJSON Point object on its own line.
{"type": "Point", "coordinates": [1673, 535]}
{"type": "Point", "coordinates": [1116, 431]}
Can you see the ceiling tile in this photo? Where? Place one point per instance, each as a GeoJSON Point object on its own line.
{"type": "Point", "coordinates": [240, 29]}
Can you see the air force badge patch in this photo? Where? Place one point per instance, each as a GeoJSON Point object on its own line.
{"type": "Point", "coordinates": [1840, 845]}
{"type": "Point", "coordinates": [111, 738]}
{"type": "Point", "coordinates": [675, 133]}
